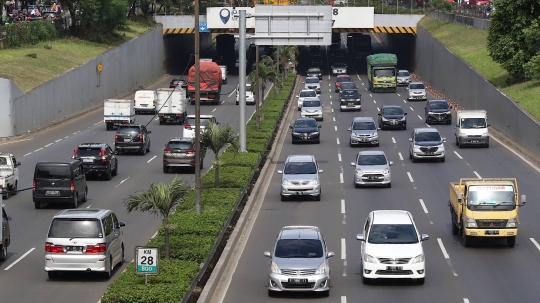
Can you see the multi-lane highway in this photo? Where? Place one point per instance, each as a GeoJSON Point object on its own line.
{"type": "Point", "coordinates": [22, 278]}
{"type": "Point", "coordinates": [486, 272]}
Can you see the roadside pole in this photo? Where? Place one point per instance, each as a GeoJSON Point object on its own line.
{"type": "Point", "coordinates": [242, 79]}
{"type": "Point", "coordinates": [197, 113]}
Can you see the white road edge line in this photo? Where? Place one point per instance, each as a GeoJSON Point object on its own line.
{"type": "Point", "coordinates": [58, 140]}
{"type": "Point", "coordinates": [410, 177]}
{"type": "Point", "coordinates": [155, 234]}
{"type": "Point", "coordinates": [477, 174]}
{"type": "Point", "coordinates": [341, 178]}
{"type": "Point", "coordinates": [18, 260]}
{"type": "Point", "coordinates": [400, 156]}
{"type": "Point", "coordinates": [343, 249]}
{"type": "Point", "coordinates": [343, 299]}
{"type": "Point", "coordinates": [533, 241]}
{"type": "Point", "coordinates": [48, 145]}
{"type": "Point", "coordinates": [151, 159]}
{"type": "Point", "coordinates": [423, 205]}
{"type": "Point", "coordinates": [458, 155]}
{"type": "Point", "coordinates": [441, 245]}
{"type": "Point", "coordinates": [343, 206]}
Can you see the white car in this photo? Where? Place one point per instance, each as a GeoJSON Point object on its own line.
{"type": "Point", "coordinates": [250, 98]}
{"type": "Point", "coordinates": [392, 247]}
{"type": "Point", "coordinates": [189, 124]}
{"type": "Point", "coordinates": [372, 168]}
{"type": "Point", "coordinates": [305, 93]}
{"type": "Point", "coordinates": [312, 108]}
{"type": "Point", "coordinates": [417, 91]}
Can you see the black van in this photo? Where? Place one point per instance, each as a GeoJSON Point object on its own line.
{"type": "Point", "coordinates": [59, 182]}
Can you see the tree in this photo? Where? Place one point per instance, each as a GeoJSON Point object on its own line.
{"type": "Point", "coordinates": [287, 54]}
{"type": "Point", "coordinates": [160, 199]}
{"type": "Point", "coordinates": [514, 36]}
{"type": "Point", "coordinates": [267, 73]}
{"type": "Point", "coordinates": [215, 138]}
{"type": "Point", "coordinates": [96, 19]}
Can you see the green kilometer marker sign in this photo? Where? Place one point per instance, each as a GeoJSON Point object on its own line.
{"type": "Point", "coordinates": [146, 260]}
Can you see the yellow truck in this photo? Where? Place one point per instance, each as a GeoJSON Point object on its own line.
{"type": "Point", "coordinates": [485, 207]}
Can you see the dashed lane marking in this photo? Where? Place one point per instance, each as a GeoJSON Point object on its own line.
{"type": "Point", "coordinates": [27, 154]}
{"type": "Point", "coordinates": [446, 256]}
{"type": "Point", "coordinates": [420, 117]}
{"type": "Point", "coordinates": [378, 109]}
{"type": "Point", "coordinates": [48, 145]}
{"type": "Point", "coordinates": [337, 139]}
{"type": "Point", "coordinates": [151, 159]}
{"type": "Point", "coordinates": [339, 157]}
{"type": "Point", "coordinates": [335, 127]}
{"type": "Point", "coordinates": [374, 101]}
{"type": "Point", "coordinates": [477, 174]}
{"type": "Point", "coordinates": [400, 156]}
{"type": "Point", "coordinates": [458, 155]}
{"type": "Point", "coordinates": [343, 299]}
{"type": "Point", "coordinates": [343, 249]}
{"type": "Point", "coordinates": [410, 177]}
{"type": "Point", "coordinates": [342, 206]}
{"type": "Point", "coordinates": [214, 109]}
{"type": "Point", "coordinates": [411, 108]}
{"type": "Point", "coordinates": [393, 140]}
{"type": "Point", "coordinates": [122, 182]}
{"type": "Point", "coordinates": [58, 140]}
{"type": "Point", "coordinates": [38, 149]}
{"type": "Point", "coordinates": [334, 119]}
{"type": "Point", "coordinates": [341, 178]}
{"type": "Point", "coordinates": [18, 260]}
{"type": "Point", "coordinates": [423, 205]}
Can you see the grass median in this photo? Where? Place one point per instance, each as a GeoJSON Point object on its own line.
{"type": "Point", "coordinates": [469, 44]}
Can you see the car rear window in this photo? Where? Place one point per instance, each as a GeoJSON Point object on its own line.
{"type": "Point", "coordinates": [311, 104]}
{"type": "Point", "coordinates": [88, 152]}
{"type": "Point", "coordinates": [204, 121]}
{"type": "Point", "coordinates": [75, 228]}
{"type": "Point", "coordinates": [372, 160]}
{"type": "Point", "coordinates": [364, 126]}
{"type": "Point", "coordinates": [299, 248]}
{"type": "Point", "coordinates": [343, 79]}
{"type": "Point", "coordinates": [179, 145]}
{"type": "Point", "coordinates": [53, 171]}
{"type": "Point", "coordinates": [128, 129]}
{"type": "Point", "coordinates": [417, 86]}
{"type": "Point", "coordinates": [311, 93]}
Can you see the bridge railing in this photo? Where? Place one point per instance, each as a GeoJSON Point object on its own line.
{"type": "Point", "coordinates": [476, 11]}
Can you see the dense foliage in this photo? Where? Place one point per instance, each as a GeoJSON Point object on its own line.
{"type": "Point", "coordinates": [514, 37]}
{"type": "Point", "coordinates": [18, 34]}
{"type": "Point", "coordinates": [97, 19]}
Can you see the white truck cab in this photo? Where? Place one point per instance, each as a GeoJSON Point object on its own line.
{"type": "Point", "coordinates": [471, 128]}
{"type": "Point", "coordinates": [9, 174]}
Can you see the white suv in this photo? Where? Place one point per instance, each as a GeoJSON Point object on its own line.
{"type": "Point", "coordinates": [250, 98]}
{"type": "Point", "coordinates": [189, 124]}
{"type": "Point", "coordinates": [392, 247]}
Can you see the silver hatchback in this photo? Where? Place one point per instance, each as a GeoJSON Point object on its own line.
{"type": "Point", "coordinates": [363, 132]}
{"type": "Point", "coordinates": [312, 108]}
{"type": "Point", "coordinates": [372, 168]}
{"type": "Point", "coordinates": [299, 261]}
{"type": "Point", "coordinates": [313, 83]}
{"type": "Point", "coordinates": [84, 240]}
{"type": "Point", "coordinates": [300, 177]}
{"type": "Point", "coordinates": [417, 91]}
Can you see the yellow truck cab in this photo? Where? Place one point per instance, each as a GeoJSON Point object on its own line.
{"type": "Point", "coordinates": [485, 207]}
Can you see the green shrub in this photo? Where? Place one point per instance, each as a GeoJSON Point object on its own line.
{"type": "Point", "coordinates": [248, 159]}
{"type": "Point", "coordinates": [256, 145]}
{"type": "Point", "coordinates": [206, 223]}
{"type": "Point", "coordinates": [229, 176]}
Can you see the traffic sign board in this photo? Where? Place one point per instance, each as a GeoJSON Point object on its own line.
{"type": "Point", "coordinates": [203, 27]}
{"type": "Point", "coordinates": [147, 260]}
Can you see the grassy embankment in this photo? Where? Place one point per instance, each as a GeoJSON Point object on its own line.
{"type": "Point", "coordinates": [470, 44]}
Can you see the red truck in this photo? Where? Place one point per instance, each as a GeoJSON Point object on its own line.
{"type": "Point", "coordinates": [210, 83]}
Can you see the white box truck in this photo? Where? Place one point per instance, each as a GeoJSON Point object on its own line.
{"type": "Point", "coordinates": [9, 174]}
{"type": "Point", "coordinates": [471, 128]}
{"type": "Point", "coordinates": [145, 102]}
{"type": "Point", "coordinates": [118, 111]}
{"type": "Point", "coordinates": [223, 73]}
{"type": "Point", "coordinates": [171, 105]}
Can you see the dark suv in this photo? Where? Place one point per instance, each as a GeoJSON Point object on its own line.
{"type": "Point", "coordinates": [438, 111]}
{"type": "Point", "coordinates": [132, 137]}
{"type": "Point", "coordinates": [97, 159]}
{"type": "Point", "coordinates": [180, 153]}
{"type": "Point", "coordinates": [392, 116]}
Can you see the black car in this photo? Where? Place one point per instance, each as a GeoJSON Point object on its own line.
{"type": "Point", "coordinates": [305, 130]}
{"type": "Point", "coordinates": [314, 72]}
{"type": "Point", "coordinates": [132, 137]}
{"type": "Point", "coordinates": [97, 159]}
{"type": "Point", "coordinates": [350, 99]}
{"type": "Point", "coordinates": [438, 111]}
{"type": "Point", "coordinates": [59, 182]}
{"type": "Point", "coordinates": [392, 116]}
{"type": "Point", "coordinates": [346, 85]}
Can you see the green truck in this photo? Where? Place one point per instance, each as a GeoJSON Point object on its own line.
{"type": "Point", "coordinates": [381, 72]}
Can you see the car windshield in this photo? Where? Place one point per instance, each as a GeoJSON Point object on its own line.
{"type": "Point", "coordinates": [350, 94]}
{"type": "Point", "coordinates": [339, 64]}
{"type": "Point", "coordinates": [314, 70]}
{"type": "Point", "coordinates": [392, 111]}
{"type": "Point", "coordinates": [300, 168]}
{"type": "Point", "coordinates": [427, 136]}
{"type": "Point", "coordinates": [312, 80]}
{"type": "Point", "coordinates": [310, 93]}
{"type": "Point", "coordinates": [88, 152]}
{"type": "Point", "coordinates": [75, 228]}
{"type": "Point", "coordinates": [438, 105]}
{"type": "Point", "coordinates": [491, 196]}
{"type": "Point", "coordinates": [299, 248]}
{"type": "Point", "coordinates": [364, 125]}
{"type": "Point", "coordinates": [305, 124]}
{"type": "Point", "coordinates": [392, 234]}
{"type": "Point", "coordinates": [473, 123]}
{"type": "Point", "coordinates": [403, 74]}
{"type": "Point", "coordinates": [384, 73]}
{"type": "Point", "coordinates": [128, 129]}
{"type": "Point", "coordinates": [53, 171]}
{"type": "Point", "coordinates": [311, 103]}
{"type": "Point", "coordinates": [372, 160]}
{"type": "Point", "coordinates": [204, 121]}
{"type": "Point", "coordinates": [417, 86]}
{"type": "Point", "coordinates": [343, 79]}
{"type": "Point", "coordinates": [346, 85]}
{"type": "Point", "coordinates": [179, 145]}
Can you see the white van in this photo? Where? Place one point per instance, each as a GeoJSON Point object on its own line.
{"type": "Point", "coordinates": [223, 73]}
{"type": "Point", "coordinates": [145, 102]}
{"type": "Point", "coordinates": [471, 128]}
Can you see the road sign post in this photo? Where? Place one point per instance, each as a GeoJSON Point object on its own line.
{"type": "Point", "coordinates": [146, 261]}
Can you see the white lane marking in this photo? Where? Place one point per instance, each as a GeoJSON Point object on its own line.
{"type": "Point", "coordinates": [344, 298]}
{"type": "Point", "coordinates": [399, 95]}
{"type": "Point", "coordinates": [478, 175]}
{"type": "Point", "coordinates": [341, 178]}
{"type": "Point", "coordinates": [122, 182]}
{"type": "Point", "coordinates": [48, 145]}
{"type": "Point", "coordinates": [330, 98]}
{"type": "Point", "coordinates": [11, 142]}
{"type": "Point", "coordinates": [400, 156]}
{"type": "Point", "coordinates": [374, 101]}
{"type": "Point", "coordinates": [231, 93]}
{"type": "Point", "coordinates": [465, 300]}
{"type": "Point", "coordinates": [441, 245]}
{"type": "Point", "coordinates": [420, 117]}
{"type": "Point", "coordinates": [214, 109]}
{"type": "Point", "coordinates": [411, 108]}
{"type": "Point", "coordinates": [423, 205]}
{"type": "Point", "coordinates": [329, 90]}
{"type": "Point", "coordinates": [334, 119]}
{"type": "Point", "coordinates": [88, 206]}
{"type": "Point", "coordinates": [156, 119]}
{"type": "Point", "coordinates": [332, 110]}
{"type": "Point", "coordinates": [363, 84]}
{"type": "Point", "coordinates": [335, 127]}
{"type": "Point", "coordinates": [58, 140]}
{"type": "Point", "coordinates": [359, 77]}
{"type": "Point", "coordinates": [378, 109]}
{"type": "Point", "coordinates": [66, 137]}
{"type": "Point", "coordinates": [405, 101]}
{"type": "Point", "coordinates": [393, 140]}
{"type": "Point", "coordinates": [330, 102]}
{"type": "Point", "coordinates": [98, 123]}
{"type": "Point", "coordinates": [428, 125]}
{"type": "Point", "coordinates": [18, 260]}
{"type": "Point", "coordinates": [343, 249]}
{"type": "Point", "coordinates": [410, 177]}
{"type": "Point", "coordinates": [329, 84]}
{"type": "Point", "coordinates": [532, 240]}
{"type": "Point", "coordinates": [76, 132]}
{"type": "Point", "coordinates": [339, 157]}
{"type": "Point", "coordinates": [27, 154]}
{"type": "Point", "coordinates": [222, 102]}
{"type": "Point", "coordinates": [155, 234]}
{"type": "Point", "coordinates": [151, 159]}
{"type": "Point", "coordinates": [370, 95]}
{"type": "Point", "coordinates": [38, 149]}
{"type": "Point", "coordinates": [328, 77]}
{"type": "Point", "coordinates": [337, 140]}
{"type": "Point", "coordinates": [343, 206]}
{"type": "Point", "coordinates": [458, 155]}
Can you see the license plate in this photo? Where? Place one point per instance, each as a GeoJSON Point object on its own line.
{"type": "Point", "coordinates": [127, 139]}
{"type": "Point", "coordinates": [393, 122]}
{"type": "Point", "coordinates": [144, 105]}
{"type": "Point", "coordinates": [168, 117]}
{"type": "Point", "coordinates": [491, 232]}
{"type": "Point", "coordinates": [351, 104]}
{"type": "Point", "coordinates": [88, 160]}
{"type": "Point", "coordinates": [74, 248]}
{"type": "Point", "coordinates": [52, 193]}
{"type": "Point", "coordinates": [475, 141]}
{"type": "Point", "coordinates": [297, 281]}
{"type": "Point", "coordinates": [179, 154]}
{"type": "Point", "coordinates": [394, 268]}
{"type": "Point", "coordinates": [299, 193]}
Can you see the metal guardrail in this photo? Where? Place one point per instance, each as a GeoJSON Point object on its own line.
{"type": "Point", "coordinates": [476, 11]}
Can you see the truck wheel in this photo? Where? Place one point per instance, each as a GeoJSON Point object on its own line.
{"type": "Point", "coordinates": [161, 121]}
{"type": "Point", "coordinates": [108, 125]}
{"type": "Point", "coordinates": [455, 229]}
{"type": "Point", "coordinates": [5, 193]}
{"type": "Point", "coordinates": [3, 252]}
{"type": "Point", "coordinates": [511, 241]}
{"type": "Point", "coordinates": [14, 191]}
{"type": "Point", "coordinates": [467, 240]}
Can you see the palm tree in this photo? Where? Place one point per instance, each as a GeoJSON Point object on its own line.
{"type": "Point", "coordinates": [215, 138]}
{"type": "Point", "coordinates": [160, 199]}
{"type": "Point", "coordinates": [267, 73]}
{"type": "Point", "coordinates": [287, 54]}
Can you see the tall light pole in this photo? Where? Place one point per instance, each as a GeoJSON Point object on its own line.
{"type": "Point", "coordinates": [197, 113]}
{"type": "Point", "coordinates": [257, 100]}
{"type": "Point", "coordinates": [242, 79]}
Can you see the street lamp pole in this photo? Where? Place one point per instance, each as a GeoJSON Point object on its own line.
{"type": "Point", "coordinates": [197, 113]}
{"type": "Point", "coordinates": [242, 79]}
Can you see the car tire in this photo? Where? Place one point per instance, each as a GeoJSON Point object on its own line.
{"type": "Point", "coordinates": [52, 275]}
{"type": "Point", "coordinates": [108, 175]}
{"type": "Point", "coordinates": [3, 252]}
{"type": "Point", "coordinates": [148, 148]}
{"type": "Point", "coordinates": [271, 293]}
{"type": "Point", "coordinates": [237, 103]}
{"type": "Point", "coordinates": [420, 281]}
{"type": "Point", "coordinates": [486, 145]}
{"type": "Point", "coordinates": [377, 145]}
{"type": "Point", "coordinates": [511, 241]}
{"type": "Point", "coordinates": [410, 155]}
{"type": "Point", "coordinates": [75, 202]}
{"type": "Point", "coordinates": [165, 169]}
{"type": "Point", "coordinates": [115, 170]}
{"type": "Point", "coordinates": [356, 185]}
{"type": "Point", "coordinates": [449, 122]}
{"type": "Point", "coordinates": [341, 109]}
{"type": "Point", "coordinates": [318, 197]}
{"type": "Point", "coordinates": [283, 198]}
{"type": "Point", "coordinates": [467, 240]}
{"type": "Point", "coordinates": [293, 141]}
{"type": "Point", "coordinates": [405, 127]}
{"type": "Point", "coordinates": [107, 274]}
{"type": "Point", "coordinates": [143, 151]}
{"type": "Point", "coordinates": [37, 205]}
{"type": "Point", "coordinates": [318, 141]}
{"type": "Point", "coordinates": [366, 281]}
{"type": "Point", "coordinates": [443, 159]}
{"type": "Point", "coordinates": [14, 189]}
{"type": "Point", "coordinates": [325, 294]}
{"type": "Point", "coordinates": [414, 160]}
{"type": "Point", "coordinates": [389, 185]}
{"type": "Point", "coordinates": [85, 196]}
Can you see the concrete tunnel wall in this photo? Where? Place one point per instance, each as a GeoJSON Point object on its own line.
{"type": "Point", "coordinates": [180, 51]}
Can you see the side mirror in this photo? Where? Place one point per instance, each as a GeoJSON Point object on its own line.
{"type": "Point", "coordinates": [18, 163]}
{"type": "Point", "coordinates": [149, 132]}
{"type": "Point", "coordinates": [378, 128]}
{"type": "Point", "coordinates": [319, 126]}
{"type": "Point", "coordinates": [330, 254]}
{"type": "Point", "coordinates": [360, 237]}
{"type": "Point", "coordinates": [379, 114]}
{"type": "Point", "coordinates": [523, 200]}
{"type": "Point", "coordinates": [320, 170]}
{"type": "Point", "coordinates": [115, 152]}
{"type": "Point", "coordinates": [280, 172]}
{"type": "Point", "coordinates": [488, 124]}
{"type": "Point", "coordinates": [297, 96]}
{"type": "Point", "coordinates": [405, 114]}
{"type": "Point", "coordinates": [390, 163]}
{"type": "Point", "coordinates": [410, 139]}
{"type": "Point", "coordinates": [267, 254]}
{"type": "Point", "coordinates": [9, 218]}
{"type": "Point", "coordinates": [304, 82]}
{"type": "Point", "coordinates": [353, 164]}
{"type": "Point", "coordinates": [424, 237]}
{"type": "Point", "coordinates": [290, 126]}
{"type": "Point", "coordinates": [407, 88]}
{"type": "Point", "coordinates": [122, 224]}
{"type": "Point", "coordinates": [443, 139]}
{"type": "Point", "coordinates": [459, 197]}
{"type": "Point", "coordinates": [349, 129]}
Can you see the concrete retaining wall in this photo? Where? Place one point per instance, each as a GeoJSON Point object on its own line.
{"type": "Point", "coordinates": [465, 20]}
{"type": "Point", "coordinates": [125, 69]}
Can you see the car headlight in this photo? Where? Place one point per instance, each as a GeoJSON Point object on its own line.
{"type": "Point", "coordinates": [275, 269]}
{"type": "Point", "coordinates": [441, 146]}
{"type": "Point", "coordinates": [321, 270]}
{"type": "Point", "coordinates": [402, 119]}
{"type": "Point", "coordinates": [286, 182]}
{"type": "Point", "coordinates": [448, 112]}
{"type": "Point", "coordinates": [418, 259]}
{"type": "Point", "coordinates": [374, 135]}
{"type": "Point", "coordinates": [485, 134]}
{"type": "Point", "coordinates": [297, 134]}
{"type": "Point", "coordinates": [315, 133]}
{"type": "Point", "coordinates": [512, 222]}
{"type": "Point", "coordinates": [369, 259]}
{"type": "Point", "coordinates": [416, 146]}
{"type": "Point", "coordinates": [431, 113]}
{"type": "Point", "coordinates": [384, 119]}
{"type": "Point", "coordinates": [386, 171]}
{"type": "Point", "coordinates": [358, 171]}
{"type": "Point", "coordinates": [314, 182]}
{"type": "Point", "coordinates": [469, 222]}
